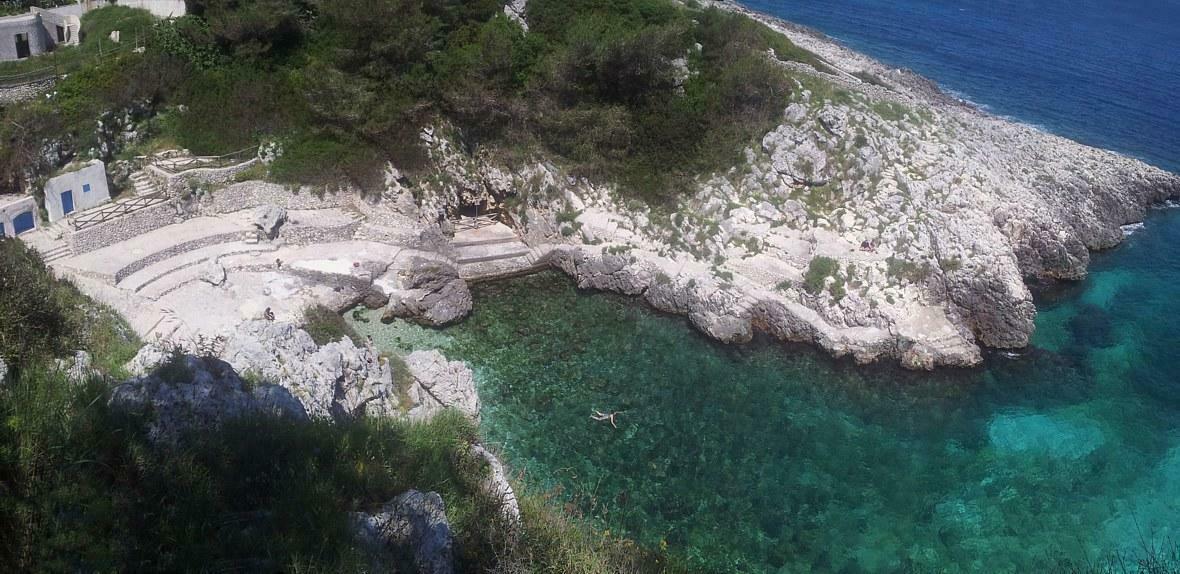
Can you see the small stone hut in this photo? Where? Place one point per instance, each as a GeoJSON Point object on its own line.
{"type": "Point", "coordinates": [78, 188]}
{"type": "Point", "coordinates": [18, 214]}
{"type": "Point", "coordinates": [39, 31]}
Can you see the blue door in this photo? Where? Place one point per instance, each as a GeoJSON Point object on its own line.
{"type": "Point", "coordinates": [67, 202]}
{"type": "Point", "coordinates": [22, 223]}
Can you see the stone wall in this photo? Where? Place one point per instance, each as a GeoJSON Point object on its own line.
{"type": "Point", "coordinates": [124, 228]}
{"type": "Point", "coordinates": [251, 194]}
{"type": "Point", "coordinates": [311, 235]}
{"type": "Point", "coordinates": [179, 184]}
{"type": "Point", "coordinates": [26, 91]}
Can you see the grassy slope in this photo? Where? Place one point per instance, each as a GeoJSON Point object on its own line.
{"type": "Point", "coordinates": [594, 83]}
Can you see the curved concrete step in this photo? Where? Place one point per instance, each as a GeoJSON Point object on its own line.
{"type": "Point", "coordinates": [141, 279]}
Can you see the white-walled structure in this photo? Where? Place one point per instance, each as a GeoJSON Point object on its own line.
{"type": "Point", "coordinates": [39, 31]}
{"type": "Point", "coordinates": [77, 190]}
{"type": "Point", "coordinates": [18, 214]}
{"type": "Point", "coordinates": [158, 8]}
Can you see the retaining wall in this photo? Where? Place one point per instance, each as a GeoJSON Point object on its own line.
{"type": "Point", "coordinates": [251, 194]}
{"type": "Point", "coordinates": [311, 235]}
{"type": "Point", "coordinates": [124, 228]}
{"type": "Point", "coordinates": [179, 183]}
{"type": "Point", "coordinates": [26, 91]}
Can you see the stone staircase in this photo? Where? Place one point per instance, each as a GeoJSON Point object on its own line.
{"type": "Point", "coordinates": [489, 250]}
{"type": "Point", "coordinates": [57, 252]}
{"type": "Point", "coordinates": [144, 183]}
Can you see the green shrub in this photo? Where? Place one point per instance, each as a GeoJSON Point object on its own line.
{"type": "Point", "coordinates": [43, 317]}
{"type": "Point", "coordinates": [326, 326]}
{"type": "Point", "coordinates": [818, 272]}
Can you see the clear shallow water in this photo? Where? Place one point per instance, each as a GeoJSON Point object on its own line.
{"type": "Point", "coordinates": [1103, 72]}
{"type": "Point", "coordinates": [767, 458]}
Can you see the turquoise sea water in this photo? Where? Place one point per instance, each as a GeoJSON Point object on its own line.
{"type": "Point", "coordinates": [773, 458]}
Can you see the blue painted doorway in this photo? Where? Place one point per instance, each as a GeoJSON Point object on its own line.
{"type": "Point", "coordinates": [22, 223]}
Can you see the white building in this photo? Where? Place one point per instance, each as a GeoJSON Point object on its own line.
{"type": "Point", "coordinates": [158, 8]}
{"type": "Point", "coordinates": [77, 189]}
{"type": "Point", "coordinates": [18, 214]}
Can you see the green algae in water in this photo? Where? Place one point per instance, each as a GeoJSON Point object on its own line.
{"type": "Point", "coordinates": [773, 458]}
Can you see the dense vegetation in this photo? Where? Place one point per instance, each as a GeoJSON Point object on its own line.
{"type": "Point", "coordinates": [82, 488]}
{"type": "Point", "coordinates": [10, 7]}
{"type": "Point", "coordinates": [648, 93]}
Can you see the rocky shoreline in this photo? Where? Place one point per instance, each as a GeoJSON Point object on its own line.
{"type": "Point", "coordinates": [883, 220]}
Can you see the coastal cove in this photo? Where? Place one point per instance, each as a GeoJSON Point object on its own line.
{"type": "Point", "coordinates": [764, 457]}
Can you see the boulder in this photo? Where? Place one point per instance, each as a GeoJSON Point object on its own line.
{"type": "Point", "coordinates": [148, 359]}
{"type": "Point", "coordinates": [410, 533]}
{"type": "Point", "coordinates": [213, 273]}
{"type": "Point", "coordinates": [338, 380]}
{"type": "Point", "coordinates": [428, 292]}
{"type": "Point", "coordinates": [439, 384]}
{"type": "Point", "coordinates": [515, 10]}
{"type": "Point", "coordinates": [268, 219]}
{"type": "Point", "coordinates": [187, 393]}
{"type": "Point", "coordinates": [498, 486]}
{"type": "Point", "coordinates": [76, 368]}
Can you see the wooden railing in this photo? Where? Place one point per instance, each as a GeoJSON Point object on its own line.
{"type": "Point", "coordinates": [111, 211]}
{"type": "Point", "coordinates": [179, 165]}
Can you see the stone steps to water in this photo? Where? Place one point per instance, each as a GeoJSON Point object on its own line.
{"type": "Point", "coordinates": [515, 253]}
{"type": "Point", "coordinates": [482, 242]}
{"type": "Point", "coordinates": [488, 249]}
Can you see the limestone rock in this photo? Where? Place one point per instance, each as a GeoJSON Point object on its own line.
{"type": "Point", "coordinates": [498, 486]}
{"type": "Point", "coordinates": [410, 531]}
{"type": "Point", "coordinates": [148, 359]}
{"type": "Point", "coordinates": [213, 273]}
{"type": "Point", "coordinates": [336, 380]}
{"type": "Point", "coordinates": [268, 219]}
{"type": "Point", "coordinates": [77, 368]}
{"type": "Point", "coordinates": [515, 10]}
{"type": "Point", "coordinates": [795, 153]}
{"type": "Point", "coordinates": [440, 384]}
{"type": "Point", "coordinates": [429, 292]}
{"type": "Point", "coordinates": [188, 393]}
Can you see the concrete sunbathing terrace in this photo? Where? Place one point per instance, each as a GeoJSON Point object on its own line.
{"type": "Point", "coordinates": [159, 289]}
{"type": "Point", "coordinates": [206, 275]}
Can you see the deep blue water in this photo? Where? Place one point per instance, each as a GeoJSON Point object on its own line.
{"type": "Point", "coordinates": [1103, 72]}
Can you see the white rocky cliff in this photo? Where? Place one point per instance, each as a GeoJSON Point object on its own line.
{"type": "Point", "coordinates": [881, 220]}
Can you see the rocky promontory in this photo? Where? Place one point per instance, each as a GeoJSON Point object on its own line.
{"type": "Point", "coordinates": [882, 219]}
